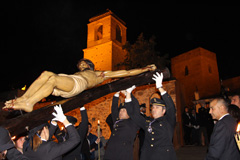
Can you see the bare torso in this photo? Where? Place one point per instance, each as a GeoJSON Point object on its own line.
{"type": "Point", "coordinates": [93, 78]}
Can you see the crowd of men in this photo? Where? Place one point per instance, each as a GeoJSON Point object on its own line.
{"type": "Point", "coordinates": [198, 124]}
{"type": "Point", "coordinates": [77, 143]}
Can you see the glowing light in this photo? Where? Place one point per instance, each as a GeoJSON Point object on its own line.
{"type": "Point", "coordinates": [24, 88]}
{"type": "Point", "coordinates": [14, 137]}
{"type": "Point", "coordinates": [98, 122]}
{"type": "Point", "coordinates": [238, 127]}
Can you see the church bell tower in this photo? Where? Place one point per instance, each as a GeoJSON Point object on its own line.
{"type": "Point", "coordinates": [106, 36]}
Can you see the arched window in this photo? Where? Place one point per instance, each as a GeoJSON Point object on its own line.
{"type": "Point", "coordinates": [209, 69]}
{"type": "Point", "coordinates": [99, 32]}
{"type": "Point", "coordinates": [186, 70]}
{"type": "Point", "coordinates": [118, 34]}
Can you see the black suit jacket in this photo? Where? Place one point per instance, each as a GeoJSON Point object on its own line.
{"type": "Point", "coordinates": [222, 143]}
{"type": "Point", "coordinates": [50, 150]}
{"type": "Point", "coordinates": [14, 154]}
{"type": "Point", "coordinates": [120, 144]}
{"type": "Point", "coordinates": [74, 154]}
{"type": "Point", "coordinates": [158, 143]}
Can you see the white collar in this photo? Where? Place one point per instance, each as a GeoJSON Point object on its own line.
{"type": "Point", "coordinates": [223, 116]}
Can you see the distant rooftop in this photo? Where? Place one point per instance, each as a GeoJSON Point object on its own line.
{"type": "Point", "coordinates": [107, 13]}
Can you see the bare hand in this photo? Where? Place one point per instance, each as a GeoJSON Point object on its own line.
{"type": "Point", "coordinates": [97, 141]}
{"type": "Point", "coordinates": [152, 67]}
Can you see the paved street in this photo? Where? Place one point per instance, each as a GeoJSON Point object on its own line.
{"type": "Point", "coordinates": [191, 153]}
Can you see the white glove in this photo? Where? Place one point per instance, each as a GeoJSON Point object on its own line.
{"type": "Point", "coordinates": [117, 94]}
{"type": "Point", "coordinates": [129, 90]}
{"type": "Point", "coordinates": [196, 127]}
{"type": "Point", "coordinates": [158, 78]}
{"type": "Point", "coordinates": [124, 92]}
{"type": "Point", "coordinates": [59, 115]}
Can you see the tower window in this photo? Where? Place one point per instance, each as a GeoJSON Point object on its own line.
{"type": "Point", "coordinates": [99, 32]}
{"type": "Point", "coordinates": [186, 70]}
{"type": "Point", "coordinates": [118, 34]}
{"type": "Point", "coordinates": [209, 69]}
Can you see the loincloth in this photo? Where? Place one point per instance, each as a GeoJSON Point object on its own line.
{"type": "Point", "coordinates": [79, 86]}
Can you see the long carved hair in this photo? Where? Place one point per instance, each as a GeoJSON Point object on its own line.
{"type": "Point", "coordinates": [90, 64]}
{"type": "Point", "coordinates": [36, 141]}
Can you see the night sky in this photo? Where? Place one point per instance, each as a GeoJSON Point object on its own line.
{"type": "Point", "coordinates": [50, 35]}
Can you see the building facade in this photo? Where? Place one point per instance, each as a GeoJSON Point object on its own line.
{"type": "Point", "coordinates": [105, 38]}
{"type": "Point", "coordinates": [197, 71]}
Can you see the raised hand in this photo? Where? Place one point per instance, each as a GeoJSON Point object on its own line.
{"type": "Point", "coordinates": [158, 78]}
{"type": "Point", "coordinates": [59, 115]}
{"type": "Point", "coordinates": [129, 90]}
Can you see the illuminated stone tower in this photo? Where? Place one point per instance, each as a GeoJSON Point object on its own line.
{"type": "Point", "coordinates": [197, 69]}
{"type": "Point", "coordinates": [106, 36]}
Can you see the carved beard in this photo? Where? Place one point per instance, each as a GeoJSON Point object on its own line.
{"type": "Point", "coordinates": [85, 69]}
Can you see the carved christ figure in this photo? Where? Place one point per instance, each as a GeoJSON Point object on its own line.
{"type": "Point", "coordinates": [67, 85]}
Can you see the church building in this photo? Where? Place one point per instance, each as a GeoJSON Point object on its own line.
{"type": "Point", "coordinates": [105, 38]}
{"type": "Point", "coordinates": [197, 71]}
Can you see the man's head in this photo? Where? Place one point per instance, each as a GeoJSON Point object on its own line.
{"type": "Point", "coordinates": [85, 64]}
{"type": "Point", "coordinates": [236, 100]}
{"type": "Point", "coordinates": [218, 107]}
{"type": "Point", "coordinates": [5, 142]}
{"type": "Point", "coordinates": [122, 112]}
{"type": "Point", "coordinates": [158, 108]}
{"type": "Point", "coordinates": [19, 143]}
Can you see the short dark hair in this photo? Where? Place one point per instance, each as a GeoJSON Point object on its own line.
{"type": "Point", "coordinates": [234, 111]}
{"type": "Point", "coordinates": [223, 102]}
{"type": "Point", "coordinates": [90, 63]}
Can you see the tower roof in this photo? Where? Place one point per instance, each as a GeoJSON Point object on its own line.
{"type": "Point", "coordinates": [107, 13]}
{"type": "Point", "coordinates": [199, 51]}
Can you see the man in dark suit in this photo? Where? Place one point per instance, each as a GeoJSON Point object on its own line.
{"type": "Point", "coordinates": [222, 143]}
{"type": "Point", "coordinates": [75, 153]}
{"type": "Point", "coordinates": [159, 129]}
{"type": "Point", "coordinates": [7, 148]}
{"type": "Point", "coordinates": [187, 126]}
{"type": "Point", "coordinates": [93, 141]}
{"type": "Point", "coordinates": [40, 148]}
{"type": "Point", "coordinates": [120, 144]}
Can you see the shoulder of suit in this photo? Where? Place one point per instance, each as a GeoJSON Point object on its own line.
{"type": "Point", "coordinates": [228, 119]}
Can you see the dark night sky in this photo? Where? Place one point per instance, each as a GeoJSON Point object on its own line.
{"type": "Point", "coordinates": [50, 35]}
